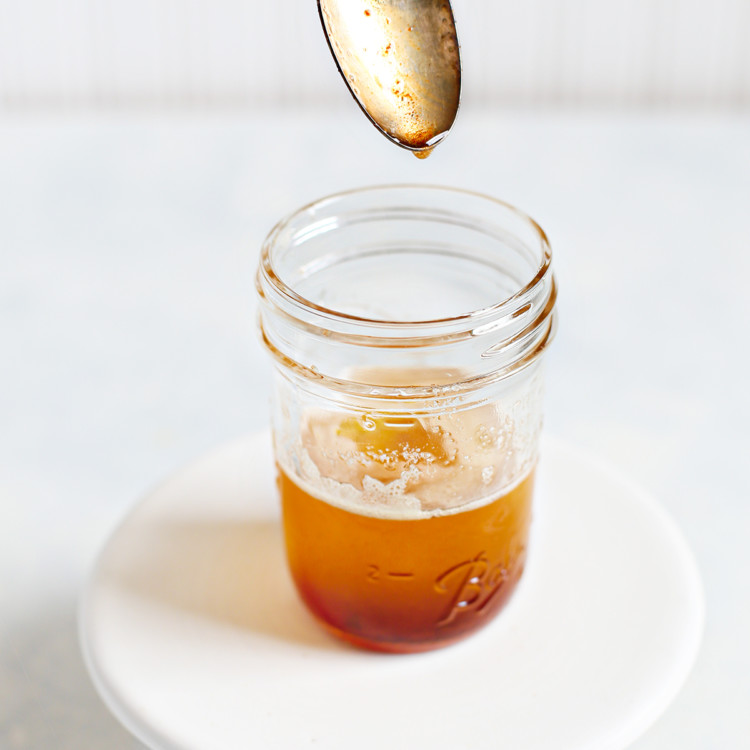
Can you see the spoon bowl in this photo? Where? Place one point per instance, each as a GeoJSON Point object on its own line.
{"type": "Point", "coordinates": [400, 60]}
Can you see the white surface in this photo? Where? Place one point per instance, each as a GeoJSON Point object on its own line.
{"type": "Point", "coordinates": [204, 53]}
{"type": "Point", "coordinates": [128, 247]}
{"type": "Point", "coordinates": [193, 633]}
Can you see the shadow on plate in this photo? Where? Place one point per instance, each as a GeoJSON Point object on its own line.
{"type": "Point", "coordinates": [230, 571]}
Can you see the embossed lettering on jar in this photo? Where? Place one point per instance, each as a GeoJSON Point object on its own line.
{"type": "Point", "coordinates": [407, 326]}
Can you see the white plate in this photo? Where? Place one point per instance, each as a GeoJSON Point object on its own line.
{"type": "Point", "coordinates": [195, 638]}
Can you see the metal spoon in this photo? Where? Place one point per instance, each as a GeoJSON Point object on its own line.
{"type": "Point", "coordinates": [401, 62]}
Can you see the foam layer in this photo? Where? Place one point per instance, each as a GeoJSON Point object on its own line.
{"type": "Point", "coordinates": [403, 467]}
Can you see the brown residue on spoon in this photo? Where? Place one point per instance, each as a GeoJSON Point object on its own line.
{"type": "Point", "coordinates": [402, 65]}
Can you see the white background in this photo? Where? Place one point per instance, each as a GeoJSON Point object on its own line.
{"type": "Point", "coordinates": [203, 53]}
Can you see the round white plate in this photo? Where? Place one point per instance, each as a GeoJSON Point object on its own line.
{"type": "Point", "coordinates": [195, 638]}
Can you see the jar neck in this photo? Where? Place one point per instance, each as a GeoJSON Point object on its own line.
{"type": "Point", "coordinates": [314, 330]}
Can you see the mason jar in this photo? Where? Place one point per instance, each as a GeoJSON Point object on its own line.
{"type": "Point", "coordinates": [406, 325]}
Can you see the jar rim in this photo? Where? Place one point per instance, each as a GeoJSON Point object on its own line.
{"type": "Point", "coordinates": [268, 273]}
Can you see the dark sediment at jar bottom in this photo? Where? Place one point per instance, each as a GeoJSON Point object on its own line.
{"type": "Point", "coordinates": [408, 584]}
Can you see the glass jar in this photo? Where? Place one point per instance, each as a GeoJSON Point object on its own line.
{"type": "Point", "coordinates": [406, 324]}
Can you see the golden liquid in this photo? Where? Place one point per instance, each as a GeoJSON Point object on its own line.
{"type": "Point", "coordinates": [406, 581]}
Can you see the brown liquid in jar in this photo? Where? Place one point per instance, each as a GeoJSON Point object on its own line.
{"type": "Point", "coordinates": [403, 580]}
